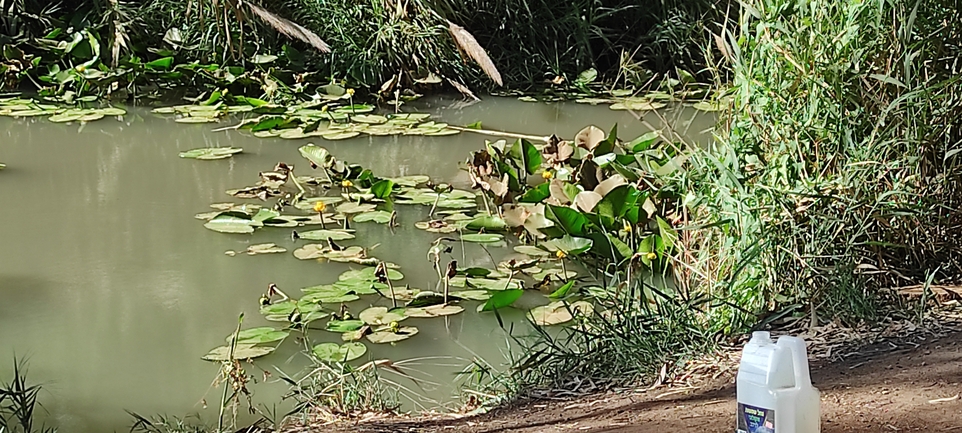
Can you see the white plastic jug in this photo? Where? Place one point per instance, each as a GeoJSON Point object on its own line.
{"type": "Point", "coordinates": [775, 392]}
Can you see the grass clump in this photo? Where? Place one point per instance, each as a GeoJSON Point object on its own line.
{"type": "Point", "coordinates": [19, 402]}
{"type": "Point", "coordinates": [837, 178]}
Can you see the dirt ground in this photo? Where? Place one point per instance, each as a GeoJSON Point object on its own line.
{"type": "Point", "coordinates": [901, 385]}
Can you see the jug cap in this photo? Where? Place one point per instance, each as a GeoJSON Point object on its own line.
{"type": "Point", "coordinates": [761, 336]}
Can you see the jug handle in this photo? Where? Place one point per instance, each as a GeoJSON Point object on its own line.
{"type": "Point", "coordinates": [799, 360]}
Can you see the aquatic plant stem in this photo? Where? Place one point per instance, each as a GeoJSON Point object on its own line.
{"type": "Point", "coordinates": [494, 133]}
{"type": "Point", "coordinates": [228, 365]}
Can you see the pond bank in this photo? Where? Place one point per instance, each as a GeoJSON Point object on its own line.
{"type": "Point", "coordinates": [894, 383]}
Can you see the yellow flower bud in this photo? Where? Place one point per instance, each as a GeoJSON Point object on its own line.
{"type": "Point", "coordinates": [350, 92]}
{"type": "Point", "coordinates": [319, 206]}
{"type": "Point", "coordinates": [560, 254]}
{"type": "Point", "coordinates": [395, 327]}
{"type": "Point", "coordinates": [627, 226]}
{"type": "Point", "coordinates": [652, 256]}
{"type": "Point", "coordinates": [346, 183]}
{"type": "Point", "coordinates": [547, 175]}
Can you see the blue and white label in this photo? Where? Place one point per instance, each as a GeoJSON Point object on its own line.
{"type": "Point", "coordinates": [753, 419]}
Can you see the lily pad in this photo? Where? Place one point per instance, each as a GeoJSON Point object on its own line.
{"type": "Point", "coordinates": [339, 135]}
{"type": "Point", "coordinates": [211, 153]}
{"type": "Point", "coordinates": [230, 222]}
{"type": "Point", "coordinates": [380, 217]}
{"type": "Point", "coordinates": [269, 248]}
{"type": "Point", "coordinates": [264, 334]}
{"type": "Point", "coordinates": [493, 285]}
{"type": "Point", "coordinates": [558, 312]}
{"type": "Point", "coordinates": [568, 244]}
{"type": "Point", "coordinates": [433, 311]}
{"type": "Point", "coordinates": [241, 351]}
{"type": "Point", "coordinates": [387, 336]}
{"type": "Point", "coordinates": [348, 208]}
{"type": "Point", "coordinates": [531, 250]}
{"type": "Point", "coordinates": [344, 325]}
{"type": "Point", "coordinates": [333, 352]}
{"type": "Point", "coordinates": [367, 274]}
{"type": "Point", "coordinates": [369, 118]}
{"type": "Point", "coordinates": [482, 238]}
{"type": "Point", "coordinates": [473, 295]}
{"type": "Point", "coordinates": [381, 316]}
{"type": "Point", "coordinates": [410, 181]}
{"type": "Point", "coordinates": [323, 235]}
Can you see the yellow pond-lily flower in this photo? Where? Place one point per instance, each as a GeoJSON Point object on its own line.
{"type": "Point", "coordinates": [651, 256]}
{"type": "Point", "coordinates": [560, 254]}
{"type": "Point", "coordinates": [319, 206]}
{"type": "Point", "coordinates": [346, 183]}
{"type": "Point", "coordinates": [547, 175]}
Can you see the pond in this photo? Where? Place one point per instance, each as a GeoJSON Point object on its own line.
{"type": "Point", "coordinates": [112, 290]}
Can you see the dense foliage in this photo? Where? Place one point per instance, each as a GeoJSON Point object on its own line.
{"type": "Point", "coordinates": [839, 178]}
{"type": "Point", "coordinates": [132, 46]}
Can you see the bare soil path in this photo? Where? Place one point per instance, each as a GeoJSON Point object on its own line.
{"type": "Point", "coordinates": [898, 386]}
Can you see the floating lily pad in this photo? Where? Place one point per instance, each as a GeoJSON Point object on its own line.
{"type": "Point", "coordinates": [268, 248]}
{"type": "Point", "coordinates": [333, 352]}
{"type": "Point", "coordinates": [344, 325]}
{"type": "Point", "coordinates": [241, 351]}
{"type": "Point", "coordinates": [558, 312]}
{"type": "Point", "coordinates": [531, 250]}
{"type": "Point", "coordinates": [230, 222]}
{"type": "Point", "coordinates": [333, 296]}
{"type": "Point", "coordinates": [494, 285]}
{"type": "Point", "coordinates": [349, 208]}
{"type": "Point", "coordinates": [367, 274]}
{"type": "Point", "coordinates": [264, 334]}
{"type": "Point", "coordinates": [192, 119]}
{"type": "Point", "coordinates": [355, 335]}
{"type": "Point", "coordinates": [482, 238]}
{"type": "Point", "coordinates": [381, 316]}
{"type": "Point", "coordinates": [433, 311]}
{"type": "Point", "coordinates": [410, 181]}
{"type": "Point", "coordinates": [473, 295]}
{"type": "Point", "coordinates": [387, 336]}
{"type": "Point", "coordinates": [369, 118]}
{"type": "Point", "coordinates": [211, 153]}
{"type": "Point", "coordinates": [486, 222]}
{"type": "Point", "coordinates": [380, 217]}
{"type": "Point", "coordinates": [436, 226]}
{"type": "Point", "coordinates": [568, 244]}
{"type": "Point", "coordinates": [323, 235]}
{"type": "Point", "coordinates": [638, 105]}
{"type": "Point", "coordinates": [339, 135]}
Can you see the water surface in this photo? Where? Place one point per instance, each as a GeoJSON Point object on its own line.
{"type": "Point", "coordinates": [112, 290]}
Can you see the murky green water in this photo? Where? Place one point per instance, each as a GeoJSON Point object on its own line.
{"type": "Point", "coordinates": [113, 291]}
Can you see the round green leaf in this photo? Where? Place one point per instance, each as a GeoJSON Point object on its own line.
{"type": "Point", "coordinates": [323, 235]}
{"type": "Point", "coordinates": [558, 312]}
{"type": "Point", "coordinates": [210, 153]}
{"type": "Point", "coordinates": [386, 336]}
{"type": "Point", "coordinates": [380, 316]}
{"type": "Point", "coordinates": [344, 325]}
{"type": "Point", "coordinates": [568, 244]}
{"type": "Point", "coordinates": [241, 351]}
{"type": "Point", "coordinates": [380, 217]}
{"type": "Point", "coordinates": [264, 334]}
{"type": "Point", "coordinates": [333, 352]}
{"type": "Point", "coordinates": [482, 238]}
{"type": "Point", "coordinates": [433, 311]}
{"type": "Point", "coordinates": [230, 222]}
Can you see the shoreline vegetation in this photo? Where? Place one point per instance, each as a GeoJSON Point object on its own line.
{"type": "Point", "coordinates": [829, 196]}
